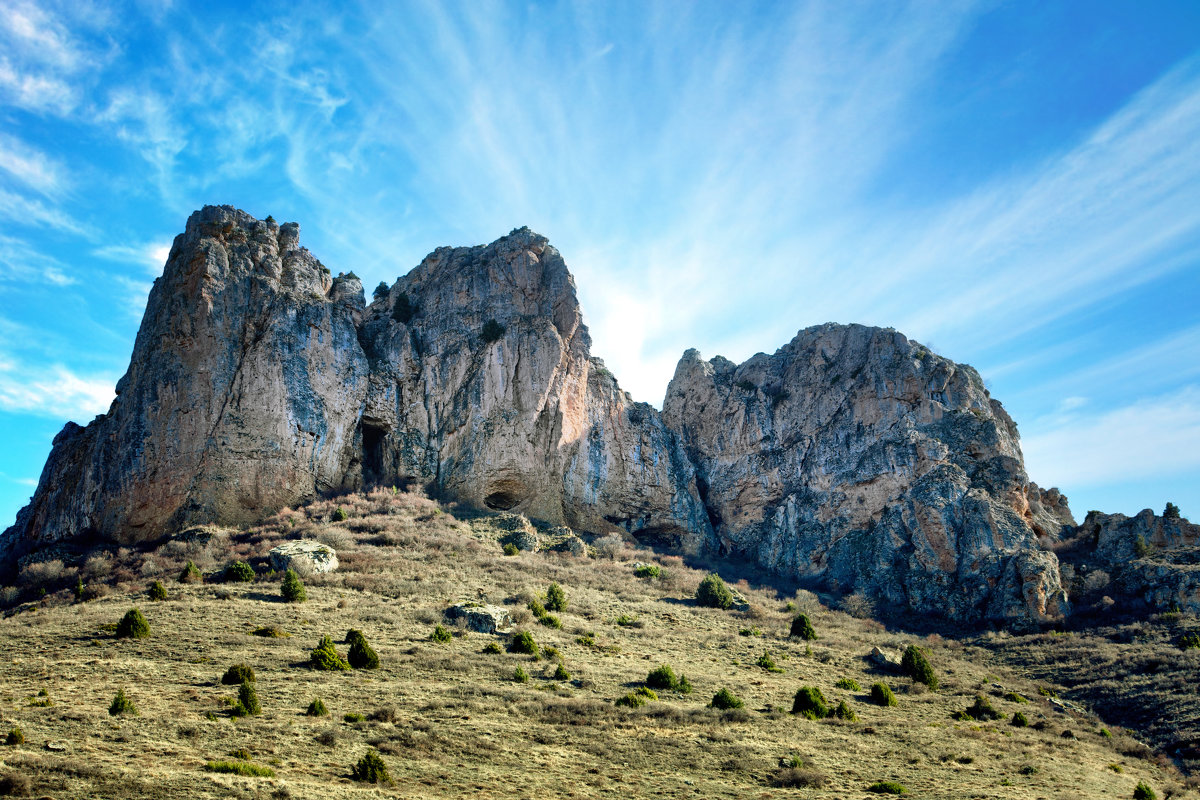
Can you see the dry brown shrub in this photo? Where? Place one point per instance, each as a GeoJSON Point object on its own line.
{"type": "Point", "coordinates": [42, 574]}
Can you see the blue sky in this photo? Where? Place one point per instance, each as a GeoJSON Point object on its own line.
{"type": "Point", "coordinates": [1016, 185]}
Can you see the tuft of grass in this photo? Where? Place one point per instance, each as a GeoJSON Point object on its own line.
{"type": "Point", "coordinates": [240, 768]}
{"type": "Point", "coordinates": [133, 625]}
{"type": "Point", "coordinates": [882, 695]}
{"type": "Point", "coordinates": [325, 657]}
{"type": "Point", "coordinates": [316, 709]}
{"type": "Point", "coordinates": [353, 717]}
{"type": "Point", "coordinates": [713, 593]}
{"type": "Point", "coordinates": [122, 705]}
{"type": "Point", "coordinates": [725, 699]}
{"type": "Point", "coordinates": [292, 589]}
{"type": "Point", "coordinates": [802, 628]}
{"type": "Point", "coordinates": [371, 769]}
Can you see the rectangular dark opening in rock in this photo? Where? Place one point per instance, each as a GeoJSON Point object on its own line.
{"type": "Point", "coordinates": [372, 444]}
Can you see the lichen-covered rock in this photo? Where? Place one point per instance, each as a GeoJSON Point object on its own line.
{"type": "Point", "coordinates": [860, 459]}
{"type": "Point", "coordinates": [305, 557]}
{"type": "Point", "coordinates": [480, 618]}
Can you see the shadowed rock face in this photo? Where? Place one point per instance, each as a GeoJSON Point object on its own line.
{"type": "Point", "coordinates": [858, 458]}
{"type": "Point", "coordinates": [851, 456]}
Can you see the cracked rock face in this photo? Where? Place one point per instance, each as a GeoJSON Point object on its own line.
{"type": "Point", "coordinates": [862, 460]}
{"type": "Point", "coordinates": [852, 456]}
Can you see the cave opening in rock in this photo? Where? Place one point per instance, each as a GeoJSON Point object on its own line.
{"type": "Point", "coordinates": [372, 445]}
{"type": "Point", "coordinates": [504, 495]}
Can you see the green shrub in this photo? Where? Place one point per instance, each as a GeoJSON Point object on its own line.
{"type": "Point", "coordinates": [713, 593]}
{"type": "Point", "coordinates": [190, 574]}
{"type": "Point", "coordinates": [789, 606]}
{"type": "Point", "coordinates": [511, 549]}
{"type": "Point", "coordinates": [133, 625]}
{"type": "Point", "coordinates": [325, 656]}
{"type": "Point", "coordinates": [550, 621]}
{"type": "Point", "coordinates": [556, 598]}
{"type": "Point", "coordinates": [802, 627]}
{"type": "Point", "coordinates": [561, 674]}
{"type": "Point", "coordinates": [80, 589]}
{"type": "Point", "coordinates": [1140, 547]}
{"type": "Point", "coordinates": [240, 768]}
{"type": "Point", "coordinates": [492, 331]}
{"type": "Point", "coordinates": [1143, 791]}
{"type": "Point", "coordinates": [122, 705]}
{"type": "Point", "coordinates": [536, 608]}
{"type": "Point", "coordinates": [631, 700]}
{"type": "Point", "coordinates": [684, 686]}
{"type": "Point", "coordinates": [887, 787]}
{"type": "Point", "coordinates": [339, 515]}
{"type": "Point", "coordinates": [248, 699]}
{"type": "Point", "coordinates": [237, 674]}
{"type": "Point", "coordinates": [1189, 641]}
{"type": "Point", "coordinates": [844, 711]}
{"type": "Point", "coordinates": [1019, 720]}
{"type": "Point", "coordinates": [361, 655]}
{"type": "Point", "coordinates": [768, 663]}
{"type": "Point", "coordinates": [648, 571]}
{"type": "Point", "coordinates": [238, 572]}
{"type": "Point", "coordinates": [492, 647]}
{"type": "Point", "coordinates": [662, 677]}
{"type": "Point", "coordinates": [726, 699]}
{"type": "Point", "coordinates": [381, 291]}
{"type": "Point", "coordinates": [523, 642]}
{"type": "Point", "coordinates": [316, 709]}
{"type": "Point", "coordinates": [404, 310]}
{"type": "Point", "coordinates": [292, 589]}
{"type": "Point", "coordinates": [916, 666]}
{"type": "Point", "coordinates": [271, 632]}
{"type": "Point", "coordinates": [1013, 697]}
{"type": "Point", "coordinates": [441, 634]}
{"type": "Point", "coordinates": [15, 737]}
{"type": "Point", "coordinates": [371, 769]}
{"type": "Point", "coordinates": [849, 684]}
{"type": "Point", "coordinates": [626, 621]}
{"type": "Point", "coordinates": [157, 591]}
{"type": "Point", "coordinates": [353, 717]}
{"type": "Point", "coordinates": [882, 695]}
{"type": "Point", "coordinates": [982, 709]}
{"type": "Point", "coordinates": [810, 703]}
{"type": "Point", "coordinates": [1171, 511]}
{"type": "Point", "coordinates": [520, 675]}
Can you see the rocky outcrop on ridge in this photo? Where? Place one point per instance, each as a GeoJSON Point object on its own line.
{"type": "Point", "coordinates": [860, 459]}
{"type": "Point", "coordinates": [852, 457]}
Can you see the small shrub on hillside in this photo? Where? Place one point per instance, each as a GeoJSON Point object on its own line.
{"type": "Point", "coordinates": [626, 621]}
{"type": "Point", "coordinates": [240, 768]}
{"type": "Point", "coordinates": [271, 632]}
{"type": "Point", "coordinates": [887, 787]}
{"type": "Point", "coordinates": [1019, 720]}
{"type": "Point", "coordinates": [15, 737]}
{"type": "Point", "coordinates": [1143, 791]}
{"type": "Point", "coordinates": [916, 666]}
{"type": "Point", "coordinates": [190, 574]}
{"type": "Point", "coordinates": [353, 718]}
{"type": "Point", "coordinates": [556, 598]}
{"type": "Point", "coordinates": [713, 593]}
{"type": "Point", "coordinates": [810, 703]}
{"type": "Point", "coordinates": [371, 769]}
{"type": "Point", "coordinates": [492, 647]}
{"type": "Point", "coordinates": [982, 709]}
{"type": "Point", "coordinates": [662, 677]}
{"type": "Point", "coordinates": [511, 549]}
{"type": "Point", "coordinates": [849, 684]}
{"type": "Point", "coordinates": [523, 642]}
{"type": "Point", "coordinates": [648, 571]}
{"type": "Point", "coordinates": [1013, 697]}
{"type": "Point", "coordinates": [325, 657]}
{"type": "Point", "coordinates": [404, 310]}
{"type": "Point", "coordinates": [561, 674]}
{"type": "Point", "coordinates": [339, 515]}
{"type": "Point", "coordinates": [799, 778]}
{"type": "Point", "coordinates": [550, 621]}
{"type": "Point", "coordinates": [133, 625]}
{"type": "Point", "coordinates": [316, 709]}
{"type": "Point", "coordinates": [248, 699]}
{"type": "Point", "coordinates": [292, 589]}
{"type": "Point", "coordinates": [882, 695]}
{"type": "Point", "coordinates": [235, 675]}
{"type": "Point", "coordinates": [122, 705]}
{"type": "Point", "coordinates": [631, 700]}
{"type": "Point", "coordinates": [725, 699]}
{"type": "Point", "coordinates": [441, 634]}
{"type": "Point", "coordinates": [844, 711]}
{"type": "Point", "coordinates": [536, 608]}
{"type": "Point", "coordinates": [1189, 641]}
{"type": "Point", "coordinates": [15, 784]}
{"type": "Point", "coordinates": [157, 591]}
{"type": "Point", "coordinates": [361, 655]}
{"type": "Point", "coordinates": [802, 628]}
{"type": "Point", "coordinates": [767, 662]}
{"type": "Point", "coordinates": [520, 675]}
{"type": "Point", "coordinates": [238, 572]}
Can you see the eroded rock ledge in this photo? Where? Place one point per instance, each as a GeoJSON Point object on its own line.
{"type": "Point", "coordinates": [852, 456]}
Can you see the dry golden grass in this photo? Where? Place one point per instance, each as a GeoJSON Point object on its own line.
{"type": "Point", "coordinates": [449, 720]}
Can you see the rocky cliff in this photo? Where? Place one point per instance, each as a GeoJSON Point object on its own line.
{"type": "Point", "coordinates": [852, 456]}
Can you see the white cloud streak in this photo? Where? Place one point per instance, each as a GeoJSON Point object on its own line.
{"type": "Point", "coordinates": [54, 391]}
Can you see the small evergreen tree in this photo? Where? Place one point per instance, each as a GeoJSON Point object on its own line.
{"type": "Point", "coordinates": [340, 515]}
{"type": "Point", "coordinates": [381, 291]}
{"type": "Point", "coordinates": [122, 705]}
{"type": "Point", "coordinates": [15, 737]}
{"type": "Point", "coordinates": [133, 625]}
{"type": "Point", "coordinates": [916, 666]}
{"type": "Point", "coordinates": [190, 574]}
{"type": "Point", "coordinates": [1143, 792]}
{"type": "Point", "coordinates": [441, 634]}
{"type": "Point", "coordinates": [371, 769]}
{"type": "Point", "coordinates": [802, 628]}
{"type": "Point", "coordinates": [79, 588]}
{"type": "Point", "coordinates": [237, 674]}
{"type": "Point", "coordinates": [292, 589]}
{"type": "Point", "coordinates": [844, 711]}
{"type": "Point", "coordinates": [158, 591]}
{"type": "Point", "coordinates": [248, 699]}
{"type": "Point", "coordinates": [882, 695]}
{"type": "Point", "coordinates": [725, 699]}
{"type": "Point", "coordinates": [810, 703]}
{"type": "Point", "coordinates": [492, 331]}
{"type": "Point", "coordinates": [713, 593]}
{"type": "Point", "coordinates": [361, 655]}
{"type": "Point", "coordinates": [317, 709]}
{"type": "Point", "coordinates": [1171, 511]}
{"type": "Point", "coordinates": [556, 598]}
{"type": "Point", "coordinates": [523, 642]}
{"type": "Point", "coordinates": [238, 572]}
{"type": "Point", "coordinates": [325, 656]}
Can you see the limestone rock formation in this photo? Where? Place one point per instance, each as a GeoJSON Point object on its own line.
{"type": "Point", "coordinates": [862, 460]}
{"type": "Point", "coordinates": [305, 557]}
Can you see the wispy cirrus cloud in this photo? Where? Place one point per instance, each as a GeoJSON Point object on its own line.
{"type": "Point", "coordinates": [21, 261]}
{"type": "Point", "coordinates": [31, 167]}
{"type": "Point", "coordinates": [53, 391]}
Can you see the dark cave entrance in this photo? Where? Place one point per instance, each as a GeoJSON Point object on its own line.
{"type": "Point", "coordinates": [373, 435]}
{"type": "Point", "coordinates": [504, 495]}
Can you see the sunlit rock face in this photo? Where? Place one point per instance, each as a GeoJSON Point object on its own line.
{"type": "Point", "coordinates": [860, 459]}
{"type": "Point", "coordinates": [852, 457]}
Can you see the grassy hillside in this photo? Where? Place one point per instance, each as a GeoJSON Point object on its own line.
{"type": "Point", "coordinates": [449, 718]}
